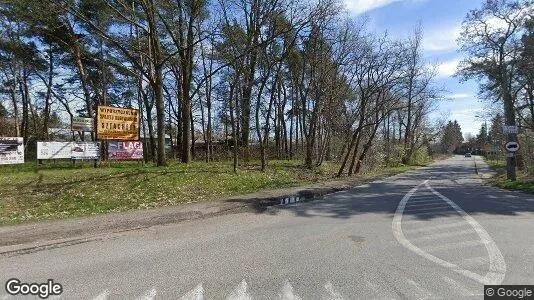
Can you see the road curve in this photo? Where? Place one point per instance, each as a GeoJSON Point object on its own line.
{"type": "Point", "coordinates": [435, 233]}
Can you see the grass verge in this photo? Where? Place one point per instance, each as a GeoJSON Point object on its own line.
{"type": "Point", "coordinates": [60, 190]}
{"type": "Point", "coordinates": [524, 182]}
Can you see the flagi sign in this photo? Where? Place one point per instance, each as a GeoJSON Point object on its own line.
{"type": "Point", "coordinates": [117, 123]}
{"type": "Point", "coordinates": [125, 150]}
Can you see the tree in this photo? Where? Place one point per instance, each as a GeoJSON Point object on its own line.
{"type": "Point", "coordinates": [490, 39]}
{"type": "Point", "coordinates": [452, 137]}
{"type": "Point", "coordinates": [418, 94]}
{"type": "Point", "coordinates": [526, 74]}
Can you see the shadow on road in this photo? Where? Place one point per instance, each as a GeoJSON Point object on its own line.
{"type": "Point", "coordinates": [457, 182]}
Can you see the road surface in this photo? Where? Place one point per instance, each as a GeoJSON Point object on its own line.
{"type": "Point", "coordinates": [433, 233]}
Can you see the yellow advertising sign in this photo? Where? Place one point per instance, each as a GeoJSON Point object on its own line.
{"type": "Point", "coordinates": [117, 123]}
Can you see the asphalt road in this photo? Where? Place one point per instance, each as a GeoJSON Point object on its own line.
{"type": "Point", "coordinates": [434, 233]}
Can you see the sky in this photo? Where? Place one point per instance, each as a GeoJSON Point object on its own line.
{"type": "Point", "coordinates": [441, 21]}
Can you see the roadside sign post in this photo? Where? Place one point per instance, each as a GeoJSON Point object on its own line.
{"type": "Point", "coordinates": [511, 149]}
{"type": "Point", "coordinates": [509, 129]}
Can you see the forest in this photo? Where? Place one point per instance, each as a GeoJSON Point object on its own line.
{"type": "Point", "coordinates": [242, 79]}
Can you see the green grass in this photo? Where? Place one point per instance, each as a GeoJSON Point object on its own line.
{"type": "Point", "coordinates": [60, 190]}
{"type": "Point", "coordinates": [524, 181]}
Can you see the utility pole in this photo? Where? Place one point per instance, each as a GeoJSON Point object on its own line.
{"type": "Point", "coordinates": [509, 114]}
{"type": "Point", "coordinates": [511, 136]}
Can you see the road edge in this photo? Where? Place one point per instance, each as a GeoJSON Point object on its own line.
{"type": "Point", "coordinates": [32, 237]}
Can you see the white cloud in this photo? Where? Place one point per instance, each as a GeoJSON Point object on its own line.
{"type": "Point", "coordinates": [466, 117]}
{"type": "Point", "coordinates": [448, 68]}
{"type": "Point", "coordinates": [441, 39]}
{"type": "Point", "coordinates": [460, 96]}
{"type": "Point", "coordinates": [360, 6]}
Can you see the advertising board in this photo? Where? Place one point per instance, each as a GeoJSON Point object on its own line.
{"type": "Point", "coordinates": [11, 150]}
{"type": "Point", "coordinates": [82, 124]}
{"type": "Point", "coordinates": [54, 150]}
{"type": "Point", "coordinates": [85, 150]}
{"type": "Point", "coordinates": [117, 123]}
{"type": "Point", "coordinates": [125, 150]}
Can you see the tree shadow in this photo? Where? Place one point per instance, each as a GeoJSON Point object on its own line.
{"type": "Point", "coordinates": [458, 183]}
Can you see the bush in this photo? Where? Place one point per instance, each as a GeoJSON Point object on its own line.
{"type": "Point", "coordinates": [421, 157]}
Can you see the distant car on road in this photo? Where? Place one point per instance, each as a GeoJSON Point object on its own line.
{"type": "Point", "coordinates": [468, 154]}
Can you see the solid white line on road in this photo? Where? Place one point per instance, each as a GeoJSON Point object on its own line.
{"type": "Point", "coordinates": [332, 293]}
{"type": "Point", "coordinates": [149, 295]}
{"type": "Point", "coordinates": [240, 293]}
{"type": "Point", "coordinates": [195, 294]}
{"type": "Point", "coordinates": [458, 245]}
{"type": "Point", "coordinates": [102, 296]}
{"type": "Point", "coordinates": [443, 235]}
{"type": "Point", "coordinates": [458, 287]}
{"type": "Point", "coordinates": [436, 227]}
{"type": "Point", "coordinates": [497, 268]}
{"type": "Point", "coordinates": [287, 293]}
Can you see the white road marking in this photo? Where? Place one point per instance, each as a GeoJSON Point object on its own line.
{"type": "Point", "coordinates": [332, 293]}
{"type": "Point", "coordinates": [458, 245]}
{"type": "Point", "coordinates": [410, 205]}
{"type": "Point", "coordinates": [421, 292]}
{"type": "Point", "coordinates": [102, 296]}
{"type": "Point", "coordinates": [497, 268]}
{"type": "Point", "coordinates": [462, 290]}
{"type": "Point", "coordinates": [287, 293]}
{"type": "Point", "coordinates": [195, 294]}
{"type": "Point", "coordinates": [436, 227]}
{"type": "Point", "coordinates": [428, 209]}
{"type": "Point", "coordinates": [423, 197]}
{"type": "Point", "coordinates": [444, 235]}
{"type": "Point", "coordinates": [240, 293]}
{"type": "Point", "coordinates": [149, 295]}
{"type": "Point", "coordinates": [437, 212]}
{"type": "Point", "coordinates": [429, 200]}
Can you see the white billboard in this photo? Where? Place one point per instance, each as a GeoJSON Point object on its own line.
{"type": "Point", "coordinates": [11, 150]}
{"type": "Point", "coordinates": [54, 150]}
{"type": "Point", "coordinates": [85, 150]}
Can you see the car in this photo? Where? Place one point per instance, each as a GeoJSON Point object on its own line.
{"type": "Point", "coordinates": [468, 154]}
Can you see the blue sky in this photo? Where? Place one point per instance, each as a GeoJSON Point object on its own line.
{"type": "Point", "coordinates": [441, 20]}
